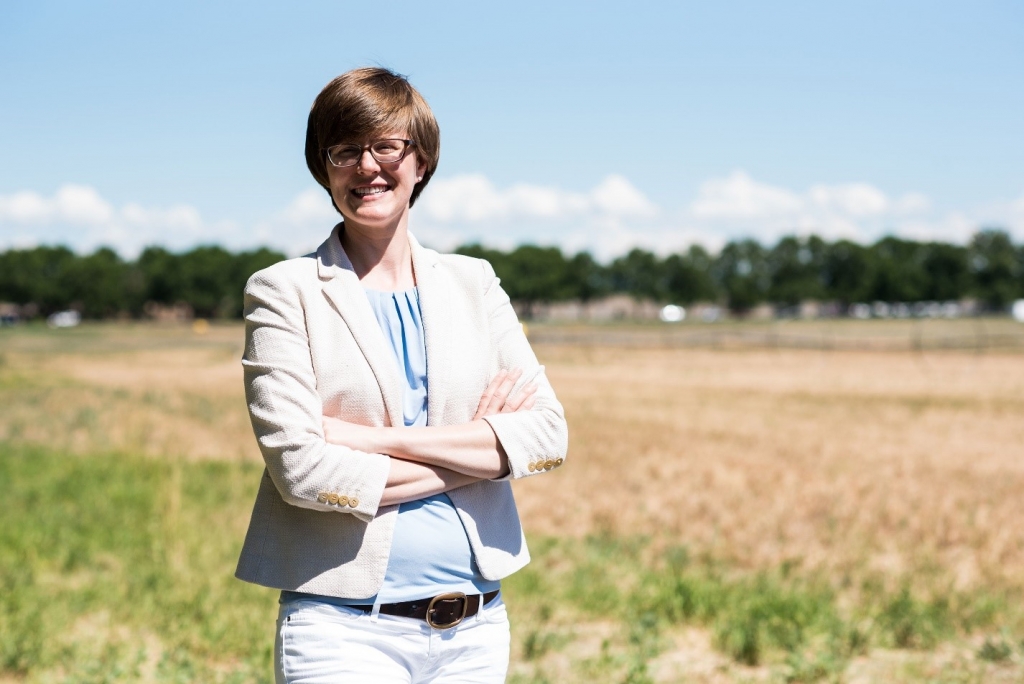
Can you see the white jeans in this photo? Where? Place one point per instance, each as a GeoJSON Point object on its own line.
{"type": "Point", "coordinates": [319, 643]}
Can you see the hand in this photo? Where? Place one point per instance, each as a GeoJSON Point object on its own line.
{"type": "Point", "coordinates": [495, 397]}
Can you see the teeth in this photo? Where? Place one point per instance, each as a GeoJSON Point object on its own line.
{"type": "Point", "coordinates": [375, 190]}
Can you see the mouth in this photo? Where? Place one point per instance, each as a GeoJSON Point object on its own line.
{"type": "Point", "coordinates": [369, 191]}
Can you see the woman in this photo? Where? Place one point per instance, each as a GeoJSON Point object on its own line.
{"type": "Point", "coordinates": [393, 395]}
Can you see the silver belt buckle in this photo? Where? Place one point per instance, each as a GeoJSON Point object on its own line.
{"type": "Point", "coordinates": [447, 597]}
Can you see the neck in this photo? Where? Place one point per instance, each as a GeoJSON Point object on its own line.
{"type": "Point", "coordinates": [381, 261]}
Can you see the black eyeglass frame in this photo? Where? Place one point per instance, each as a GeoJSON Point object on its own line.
{"type": "Point", "coordinates": [364, 148]}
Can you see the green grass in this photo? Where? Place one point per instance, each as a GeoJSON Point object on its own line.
{"type": "Point", "coordinates": [112, 564]}
{"type": "Point", "coordinates": [801, 628]}
{"type": "Point", "coordinates": [116, 568]}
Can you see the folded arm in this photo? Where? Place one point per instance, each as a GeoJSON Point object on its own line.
{"type": "Point", "coordinates": [519, 428]}
{"type": "Point", "coordinates": [409, 481]}
{"type": "Point", "coordinates": [286, 410]}
{"type": "Point", "coordinates": [471, 449]}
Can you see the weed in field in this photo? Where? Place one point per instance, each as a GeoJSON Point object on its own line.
{"type": "Point", "coordinates": [995, 650]}
{"type": "Point", "coordinates": [908, 622]}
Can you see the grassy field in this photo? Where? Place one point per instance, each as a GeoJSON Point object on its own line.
{"type": "Point", "coordinates": [728, 514]}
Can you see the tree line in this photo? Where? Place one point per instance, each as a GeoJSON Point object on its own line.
{"type": "Point", "coordinates": [744, 274]}
{"type": "Point", "coordinates": [103, 285]}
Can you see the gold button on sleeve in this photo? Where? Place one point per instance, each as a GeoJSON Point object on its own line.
{"type": "Point", "coordinates": [332, 498]}
{"type": "Point", "coordinates": [353, 502]}
{"type": "Point", "coordinates": [558, 461]}
{"type": "Point", "coordinates": [532, 467]}
{"type": "Point", "coordinates": [343, 500]}
{"type": "Point", "coordinates": [549, 464]}
{"type": "Point", "coordinates": [322, 497]}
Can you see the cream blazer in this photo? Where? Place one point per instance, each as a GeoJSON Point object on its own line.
{"type": "Point", "coordinates": [313, 348]}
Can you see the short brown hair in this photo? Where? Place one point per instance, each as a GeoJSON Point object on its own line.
{"type": "Point", "coordinates": [364, 102]}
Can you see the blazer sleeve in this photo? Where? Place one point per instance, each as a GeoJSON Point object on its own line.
{"type": "Point", "coordinates": [287, 413]}
{"type": "Point", "coordinates": [535, 440]}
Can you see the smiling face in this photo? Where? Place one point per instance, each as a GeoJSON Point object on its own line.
{"type": "Point", "coordinates": [374, 197]}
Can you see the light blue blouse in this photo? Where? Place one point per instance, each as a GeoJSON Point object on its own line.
{"type": "Point", "coordinates": [430, 552]}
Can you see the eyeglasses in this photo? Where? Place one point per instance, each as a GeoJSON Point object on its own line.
{"type": "Point", "coordinates": [388, 151]}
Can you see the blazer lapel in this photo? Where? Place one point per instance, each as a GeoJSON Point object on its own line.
{"type": "Point", "coordinates": [341, 287]}
{"type": "Point", "coordinates": [435, 309]}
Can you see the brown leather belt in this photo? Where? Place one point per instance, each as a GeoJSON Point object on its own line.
{"type": "Point", "coordinates": [441, 612]}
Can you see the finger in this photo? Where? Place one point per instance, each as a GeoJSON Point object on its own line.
{"type": "Point", "coordinates": [504, 389]}
{"type": "Point", "coordinates": [329, 434]}
{"type": "Point", "coordinates": [485, 398]}
{"type": "Point", "coordinates": [516, 402]}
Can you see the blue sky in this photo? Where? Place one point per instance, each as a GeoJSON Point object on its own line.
{"type": "Point", "coordinates": [587, 125]}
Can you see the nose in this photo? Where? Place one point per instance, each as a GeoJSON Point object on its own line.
{"type": "Point", "coordinates": [367, 164]}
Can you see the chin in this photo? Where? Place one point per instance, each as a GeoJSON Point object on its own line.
{"type": "Point", "coordinates": [374, 218]}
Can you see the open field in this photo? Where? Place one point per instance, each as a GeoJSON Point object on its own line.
{"type": "Point", "coordinates": [728, 514]}
{"type": "Point", "coordinates": [909, 334]}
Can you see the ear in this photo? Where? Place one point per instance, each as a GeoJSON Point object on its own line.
{"type": "Point", "coordinates": [421, 169]}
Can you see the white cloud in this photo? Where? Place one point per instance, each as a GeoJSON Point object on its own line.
{"type": "Point", "coordinates": [955, 227]}
{"type": "Point", "coordinates": [912, 203]}
{"type": "Point", "coordinates": [24, 207]}
{"type": "Point", "coordinates": [463, 198]}
{"type": "Point", "coordinates": [467, 208]}
{"type": "Point", "coordinates": [311, 206]}
{"type": "Point", "coordinates": [608, 219]}
{"type": "Point", "coordinates": [739, 205]}
{"type": "Point", "coordinates": [78, 216]}
{"type": "Point", "coordinates": [71, 203]}
{"type": "Point", "coordinates": [1008, 215]}
{"type": "Point", "coordinates": [301, 226]}
{"type": "Point", "coordinates": [853, 199]}
{"type": "Point", "coordinates": [473, 199]}
{"type": "Point", "coordinates": [616, 196]}
{"type": "Point", "coordinates": [739, 196]}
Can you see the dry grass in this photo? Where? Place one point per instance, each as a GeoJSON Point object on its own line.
{"type": "Point", "coordinates": [831, 460]}
{"type": "Point", "coordinates": [888, 467]}
{"type": "Point", "coordinates": [161, 391]}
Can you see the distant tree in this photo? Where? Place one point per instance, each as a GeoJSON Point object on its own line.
{"type": "Point", "coordinates": [493, 256]}
{"type": "Point", "coordinates": [744, 274]}
{"type": "Point", "coordinates": [1019, 290]}
{"type": "Point", "coordinates": [243, 266]}
{"type": "Point", "coordinates": [796, 268]}
{"type": "Point", "coordinates": [946, 271]}
{"type": "Point", "coordinates": [529, 274]}
{"type": "Point", "coordinates": [845, 271]}
{"type": "Point", "coordinates": [537, 274]}
{"type": "Point", "coordinates": [206, 281]}
{"type": "Point", "coordinates": [741, 271]}
{"type": "Point", "coordinates": [161, 272]}
{"type": "Point", "coordinates": [38, 276]}
{"type": "Point", "coordinates": [102, 285]}
{"type": "Point", "coordinates": [995, 268]}
{"type": "Point", "coordinates": [897, 271]}
{"type": "Point", "coordinates": [639, 273]}
{"type": "Point", "coordinates": [688, 276]}
{"type": "Point", "coordinates": [587, 279]}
